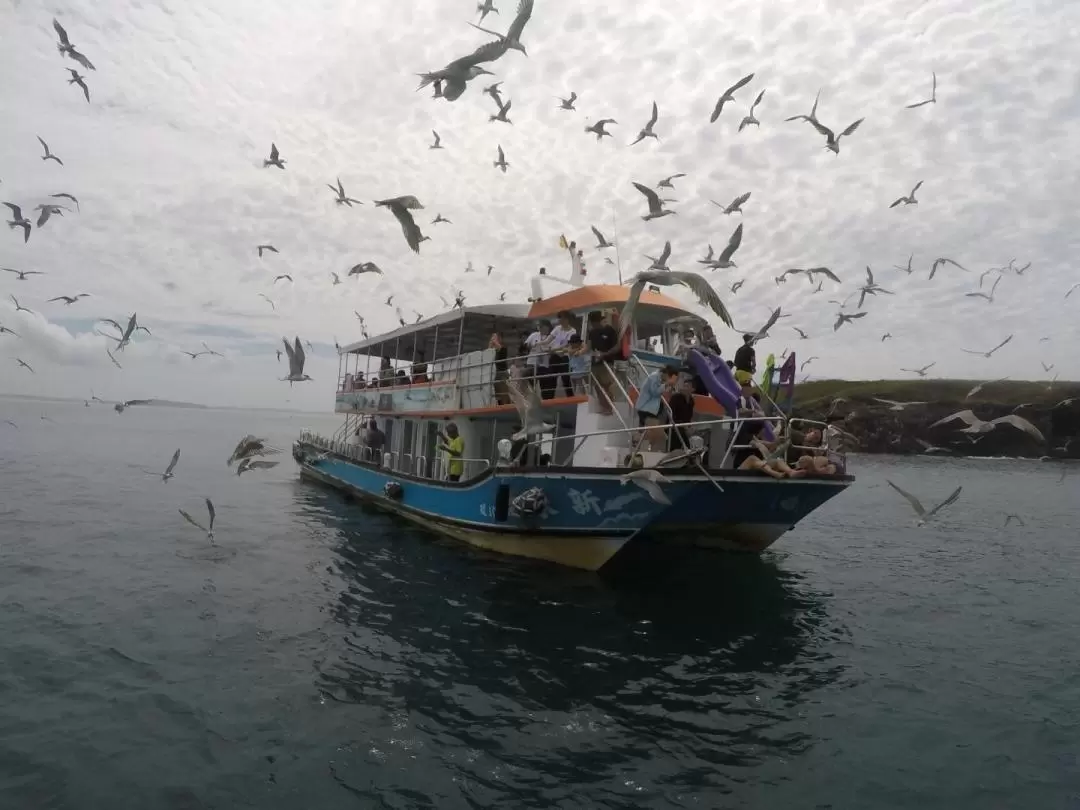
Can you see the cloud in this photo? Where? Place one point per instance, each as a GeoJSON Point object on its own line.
{"type": "Point", "coordinates": [167, 164]}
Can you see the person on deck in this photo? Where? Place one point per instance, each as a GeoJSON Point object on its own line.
{"type": "Point", "coordinates": [605, 348]}
{"type": "Point", "coordinates": [539, 358]}
{"type": "Point", "coordinates": [748, 403]}
{"type": "Point", "coordinates": [578, 355]}
{"type": "Point", "coordinates": [454, 446]}
{"type": "Point", "coordinates": [682, 414]}
{"type": "Point", "coordinates": [502, 371]}
{"type": "Point", "coordinates": [749, 453]}
{"type": "Point", "coordinates": [650, 401]}
{"type": "Point", "coordinates": [745, 360]}
{"type": "Point", "coordinates": [419, 369]}
{"type": "Point", "coordinates": [560, 361]}
{"type": "Point", "coordinates": [708, 340]}
{"type": "Point", "coordinates": [374, 441]}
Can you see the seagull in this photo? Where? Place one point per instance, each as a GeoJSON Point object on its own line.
{"type": "Point", "coordinates": [67, 49]}
{"type": "Point", "coordinates": [501, 115]}
{"type": "Point", "coordinates": [943, 261]}
{"type": "Point", "coordinates": [438, 141]}
{"type": "Point", "coordinates": [649, 479]}
{"type": "Point", "coordinates": [987, 354]}
{"type": "Point", "coordinates": [47, 210]}
{"type": "Point", "coordinates": [728, 95]}
{"type": "Point", "coordinates": [598, 127]}
{"type": "Point", "coordinates": [870, 287]}
{"type": "Point", "coordinates": [1018, 270]}
{"type": "Point", "coordinates": [920, 371]}
{"type": "Point", "coordinates": [512, 39]}
{"type": "Point", "coordinates": [210, 351]}
{"type": "Point", "coordinates": [750, 119]}
{"type": "Point", "coordinates": [920, 510]}
{"type": "Point", "coordinates": [78, 79]}
{"type": "Point", "coordinates": [209, 531]}
{"type": "Point", "coordinates": [981, 385]}
{"type": "Point", "coordinates": [120, 407]}
{"type": "Point", "coordinates": [802, 334]}
{"type": "Point", "coordinates": [1046, 368]}
{"type": "Point", "coordinates": [283, 275]}
{"type": "Point", "coordinates": [501, 162]}
{"type": "Point", "coordinates": [723, 261]}
{"type": "Point", "coordinates": [440, 218]}
{"type": "Point", "coordinates": [251, 446]}
{"type": "Point", "coordinates": [696, 283]}
{"type": "Point", "coordinates": [192, 355]}
{"type": "Point", "coordinates": [763, 332]}
{"type": "Point", "coordinates": [365, 267]}
{"type": "Point", "coordinates": [165, 476]}
{"type": "Point", "coordinates": [530, 412]}
{"type": "Point", "coordinates": [897, 406]}
{"type": "Point", "coordinates": [975, 425]}
{"type": "Point", "coordinates": [930, 448]}
{"type": "Point", "coordinates": [262, 248]}
{"type": "Point", "coordinates": [666, 182]}
{"type": "Point", "coordinates": [909, 199]}
{"type": "Point", "coordinates": [568, 103]}
{"type": "Point", "coordinates": [989, 298]}
{"type": "Point", "coordinates": [67, 196]}
{"type": "Point", "coordinates": [9, 331]}
{"type": "Point", "coordinates": [25, 365]}
{"type": "Point", "coordinates": [832, 142]}
{"type": "Point", "coordinates": [340, 192]}
{"type": "Point", "coordinates": [985, 273]}
{"type": "Point", "coordinates": [807, 362]}
{"type": "Point", "coordinates": [19, 221]}
{"type": "Point", "coordinates": [1009, 518]}
{"type": "Point", "coordinates": [809, 272]}
{"type": "Point", "coordinates": [933, 94]}
{"type": "Point", "coordinates": [907, 269]}
{"type": "Point", "coordinates": [22, 274]}
{"type": "Point", "coordinates": [647, 130]}
{"type": "Point", "coordinates": [495, 93]}
{"type": "Point", "coordinates": [400, 317]}
{"type": "Point", "coordinates": [885, 337]}
{"type": "Point", "coordinates": [486, 8]}
{"type": "Point", "coordinates": [656, 205]}
{"type": "Point", "coordinates": [400, 207]}
{"type": "Point", "coordinates": [19, 307]}
{"type": "Point", "coordinates": [296, 357]}
{"type": "Point", "coordinates": [602, 242]}
{"type": "Point", "coordinates": [69, 299]}
{"type": "Point", "coordinates": [736, 204]}
{"type": "Point", "coordinates": [389, 299]}
{"type": "Point", "coordinates": [249, 464]}
{"type": "Point", "coordinates": [843, 317]}
{"type": "Point", "coordinates": [266, 298]}
{"type": "Point", "coordinates": [336, 279]}
{"type": "Point", "coordinates": [660, 263]}
{"type": "Point", "coordinates": [274, 160]}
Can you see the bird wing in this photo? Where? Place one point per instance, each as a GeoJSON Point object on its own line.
{"type": "Point", "coordinates": [1006, 340]}
{"type": "Point", "coordinates": [599, 236]}
{"type": "Point", "coordinates": [651, 196]}
{"type": "Point", "coordinates": [408, 227]}
{"type": "Point", "coordinates": [917, 187]}
{"type": "Point", "coordinates": [655, 115]}
{"type": "Point", "coordinates": [502, 156]}
{"type": "Point", "coordinates": [82, 60]}
{"type": "Point", "coordinates": [193, 521]}
{"type": "Point", "coordinates": [524, 12]}
{"type": "Point", "coordinates": [665, 254]}
{"type": "Point", "coordinates": [292, 368]}
{"type": "Point", "coordinates": [16, 211]}
{"type": "Point", "coordinates": [130, 326]}
{"type": "Point", "coordinates": [653, 490]}
{"type": "Point", "coordinates": [869, 276]}
{"type": "Point", "coordinates": [733, 244]}
{"type": "Point", "coordinates": [738, 201]}
{"type": "Point", "coordinates": [44, 145]}
{"type": "Point", "coordinates": [916, 504]}
{"type": "Point", "coordinates": [488, 52]}
{"type": "Point", "coordinates": [172, 464]}
{"type": "Point", "coordinates": [60, 32]}
{"type": "Point", "coordinates": [852, 127]}
{"type": "Point", "coordinates": [967, 417]}
{"type": "Point", "coordinates": [947, 502]}
{"type": "Point", "coordinates": [824, 271]}
{"type": "Point", "coordinates": [273, 151]}
{"type": "Point", "coordinates": [757, 101]}
{"type": "Point", "coordinates": [821, 128]}
{"type": "Point", "coordinates": [1020, 423]}
{"type": "Point", "coordinates": [696, 283]}
{"type": "Point", "coordinates": [519, 403]}
{"type": "Point", "coordinates": [745, 80]}
{"type": "Point", "coordinates": [436, 134]}
{"type": "Point", "coordinates": [213, 513]}
{"type": "Point", "coordinates": [298, 353]}
{"type": "Point", "coordinates": [61, 298]}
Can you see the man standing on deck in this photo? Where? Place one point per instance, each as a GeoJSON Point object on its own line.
{"type": "Point", "coordinates": [454, 447]}
{"type": "Point", "coordinates": [745, 360]}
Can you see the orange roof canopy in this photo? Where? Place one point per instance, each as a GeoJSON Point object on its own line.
{"type": "Point", "coordinates": [600, 296]}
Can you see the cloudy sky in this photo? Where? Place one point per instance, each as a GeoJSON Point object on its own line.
{"type": "Point", "coordinates": [166, 161]}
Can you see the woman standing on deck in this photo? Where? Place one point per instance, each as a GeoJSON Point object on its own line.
{"type": "Point", "coordinates": [560, 361]}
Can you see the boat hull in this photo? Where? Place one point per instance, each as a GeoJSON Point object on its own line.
{"type": "Point", "coordinates": [590, 515]}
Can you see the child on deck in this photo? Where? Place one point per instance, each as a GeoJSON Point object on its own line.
{"type": "Point", "coordinates": [579, 356]}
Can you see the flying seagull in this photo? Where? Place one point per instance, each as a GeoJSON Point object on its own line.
{"type": "Point", "coordinates": [656, 206]}
{"type": "Point", "coordinates": [440, 218]}
{"type": "Point", "coordinates": [335, 279]}
{"type": "Point", "coordinates": [723, 261]}
{"type": "Point", "coordinates": [296, 357]}
{"type": "Point", "coordinates": [25, 365]}
{"type": "Point", "coordinates": [251, 446]}
{"type": "Point", "coordinates": [266, 298]}
{"type": "Point", "coordinates": [870, 287]}
{"type": "Point", "coordinates": [262, 248]}
{"type": "Point", "coordinates": [568, 103]}
{"type": "Point", "coordinates": [165, 476]}
{"type": "Point", "coordinates": [22, 274]}
{"type": "Point", "coordinates": [920, 510]}
{"type": "Point", "coordinates": [400, 207]}
{"type": "Point", "coordinates": [209, 530]}
{"type": "Point", "coordinates": [274, 160]}
{"type": "Point", "coordinates": [247, 464]}
{"type": "Point", "coordinates": [530, 412]}
{"type": "Point", "coordinates": [69, 299]}
{"type": "Point", "coordinates": [210, 351]}
{"type": "Point", "coordinates": [802, 334]}
{"type": "Point", "coordinates": [649, 479]}
{"type": "Point", "coordinates": [1071, 289]}
{"type": "Point", "coordinates": [982, 385]}
{"type": "Point", "coordinates": [989, 298]}
{"type": "Point", "coordinates": [807, 362]}
{"type": "Point", "coordinates": [666, 182]}
{"type": "Point", "coordinates": [832, 141]}
{"type": "Point", "coordinates": [843, 317]}
{"type": "Point", "coordinates": [909, 199]}
{"type": "Point", "coordinates": [735, 205]}
{"type": "Point", "coordinates": [897, 406]}
{"type": "Point", "coordinates": [364, 267]}
{"type": "Point", "coordinates": [885, 337]}
{"type": "Point", "coordinates": [601, 240]}
{"type": "Point", "coordinates": [19, 307]}
{"type": "Point", "coordinates": [728, 95]}
{"type": "Point", "coordinates": [933, 94]}
{"type": "Point", "coordinates": [4, 329]}
{"type": "Point", "coordinates": [975, 425]}
{"type": "Point", "coordinates": [342, 199]}
{"type": "Point", "coordinates": [907, 269]}
{"type": "Point", "coordinates": [920, 371]}
{"type": "Point", "coordinates": [283, 275]}
{"type": "Point", "coordinates": [501, 163]}
{"type": "Point", "coordinates": [763, 332]}
{"type": "Point", "coordinates": [598, 127]}
{"type": "Point", "coordinates": [647, 130]}
{"type": "Point", "coordinates": [486, 8]}
{"type": "Point", "coordinates": [750, 120]}
{"type": "Point", "coordinates": [661, 262]}
{"type": "Point", "coordinates": [47, 210]}
{"type": "Point", "coordinates": [19, 221]}
{"type": "Point", "coordinates": [67, 49]}
{"type": "Point", "coordinates": [502, 114]}
{"type": "Point", "coordinates": [512, 39]}
{"type": "Point", "coordinates": [987, 354]}
{"type": "Point", "coordinates": [120, 407]}
{"type": "Point", "coordinates": [493, 91]}
{"type": "Point", "coordinates": [76, 78]}
{"type": "Point", "coordinates": [696, 283]}
{"type": "Point", "coordinates": [67, 196]}
{"type": "Point", "coordinates": [809, 272]}
{"type": "Point", "coordinates": [943, 261]}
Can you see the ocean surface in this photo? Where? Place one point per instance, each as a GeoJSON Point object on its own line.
{"type": "Point", "coordinates": [325, 655]}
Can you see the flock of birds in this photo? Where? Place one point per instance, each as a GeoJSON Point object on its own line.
{"type": "Point", "coordinates": [449, 83]}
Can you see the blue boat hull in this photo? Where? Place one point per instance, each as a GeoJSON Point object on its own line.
{"type": "Point", "coordinates": [590, 514]}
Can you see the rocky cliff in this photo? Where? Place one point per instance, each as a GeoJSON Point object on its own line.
{"type": "Point", "coordinates": [881, 427]}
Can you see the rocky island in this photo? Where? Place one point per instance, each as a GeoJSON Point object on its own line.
{"type": "Point", "coordinates": [896, 416]}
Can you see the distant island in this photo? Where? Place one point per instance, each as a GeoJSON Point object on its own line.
{"type": "Point", "coordinates": [880, 427]}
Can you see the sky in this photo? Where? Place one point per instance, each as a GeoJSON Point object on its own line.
{"type": "Point", "coordinates": [166, 161]}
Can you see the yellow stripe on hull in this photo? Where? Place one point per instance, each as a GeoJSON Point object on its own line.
{"type": "Point", "coordinates": [589, 553]}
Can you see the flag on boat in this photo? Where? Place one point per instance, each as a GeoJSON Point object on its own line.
{"type": "Point", "coordinates": [563, 243]}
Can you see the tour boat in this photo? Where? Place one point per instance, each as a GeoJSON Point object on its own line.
{"type": "Point", "coordinates": [562, 496]}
